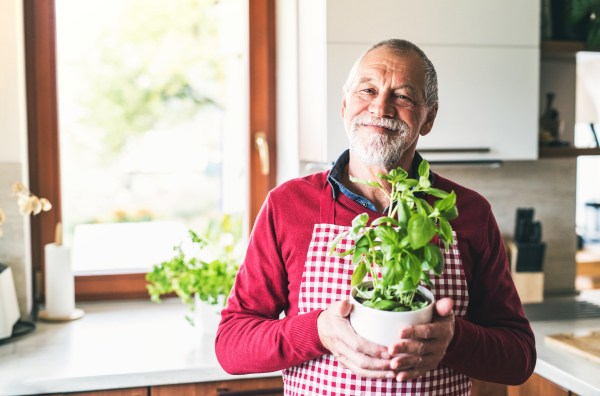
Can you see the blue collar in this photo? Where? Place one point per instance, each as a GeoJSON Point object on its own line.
{"type": "Point", "coordinates": [335, 179]}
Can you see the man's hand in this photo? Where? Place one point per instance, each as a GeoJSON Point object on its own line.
{"type": "Point", "coordinates": [427, 342]}
{"type": "Point", "coordinates": [364, 358]}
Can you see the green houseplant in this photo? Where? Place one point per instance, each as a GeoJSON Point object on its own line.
{"type": "Point", "coordinates": [399, 247]}
{"type": "Point", "coordinates": [399, 244]}
{"type": "Point", "coordinates": [207, 273]}
{"type": "Point", "coordinates": [590, 10]}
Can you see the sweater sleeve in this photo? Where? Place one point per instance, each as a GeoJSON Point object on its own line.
{"type": "Point", "coordinates": [496, 344]}
{"type": "Point", "coordinates": [251, 338]}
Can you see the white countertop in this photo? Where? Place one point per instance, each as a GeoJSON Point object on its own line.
{"type": "Point", "coordinates": [139, 343]}
{"type": "Point", "coordinates": [571, 372]}
{"type": "Point", "coordinates": [115, 345]}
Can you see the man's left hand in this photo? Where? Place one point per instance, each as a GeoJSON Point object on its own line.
{"type": "Point", "coordinates": [429, 341]}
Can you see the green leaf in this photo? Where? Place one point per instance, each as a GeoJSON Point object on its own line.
{"type": "Point", "coordinates": [403, 214]}
{"type": "Point", "coordinates": [387, 235]}
{"type": "Point", "coordinates": [401, 308]}
{"type": "Point", "coordinates": [357, 257]}
{"type": "Point", "coordinates": [425, 278]}
{"type": "Point", "coordinates": [359, 274]}
{"type": "Point", "coordinates": [392, 272]}
{"type": "Point", "coordinates": [430, 256]}
{"type": "Point", "coordinates": [365, 182]}
{"type": "Point", "coordinates": [446, 203]}
{"type": "Point", "coordinates": [414, 268]}
{"type": "Point", "coordinates": [418, 305]}
{"type": "Point", "coordinates": [424, 182]}
{"type": "Point", "coordinates": [406, 184]}
{"type": "Point", "coordinates": [450, 214]}
{"type": "Point", "coordinates": [407, 285]}
{"type": "Point", "coordinates": [344, 254]}
{"type": "Point", "coordinates": [436, 193]}
{"type": "Point", "coordinates": [424, 169]}
{"type": "Point", "coordinates": [360, 220]}
{"type": "Point", "coordinates": [445, 230]}
{"type": "Point", "coordinates": [362, 241]}
{"type": "Point", "coordinates": [385, 219]}
{"type": "Point", "coordinates": [336, 241]}
{"type": "Point", "coordinates": [420, 231]}
{"type": "Point", "coordinates": [385, 305]}
{"type": "Point", "coordinates": [426, 207]}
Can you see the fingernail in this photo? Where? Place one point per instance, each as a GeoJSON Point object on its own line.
{"type": "Point", "coordinates": [394, 365]}
{"type": "Point", "coordinates": [389, 375]}
{"type": "Point", "coordinates": [385, 355]}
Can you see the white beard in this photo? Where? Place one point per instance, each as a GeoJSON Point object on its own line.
{"type": "Point", "coordinates": [379, 150]}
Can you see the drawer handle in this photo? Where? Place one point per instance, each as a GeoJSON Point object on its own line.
{"type": "Point", "coordinates": [456, 150]}
{"type": "Point", "coordinates": [250, 392]}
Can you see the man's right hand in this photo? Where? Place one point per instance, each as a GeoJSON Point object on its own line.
{"type": "Point", "coordinates": [364, 358]}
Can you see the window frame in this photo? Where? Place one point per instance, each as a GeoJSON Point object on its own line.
{"type": "Point", "coordinates": [43, 138]}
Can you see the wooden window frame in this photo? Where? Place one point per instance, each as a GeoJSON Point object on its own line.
{"type": "Point", "coordinates": [43, 137]}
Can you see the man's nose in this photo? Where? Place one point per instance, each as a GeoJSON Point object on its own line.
{"type": "Point", "coordinates": [381, 106]}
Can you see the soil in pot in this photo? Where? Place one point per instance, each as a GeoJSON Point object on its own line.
{"type": "Point", "coordinates": [418, 298]}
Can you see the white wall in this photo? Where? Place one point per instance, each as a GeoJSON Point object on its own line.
{"type": "Point", "coordinates": [15, 245]}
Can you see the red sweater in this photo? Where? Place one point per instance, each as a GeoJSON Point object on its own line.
{"type": "Point", "coordinates": [495, 344]}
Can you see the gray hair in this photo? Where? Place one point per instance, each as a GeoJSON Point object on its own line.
{"type": "Point", "coordinates": [401, 47]}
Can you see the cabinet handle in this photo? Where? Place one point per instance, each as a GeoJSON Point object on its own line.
{"type": "Point", "coordinates": [456, 150]}
{"type": "Point", "coordinates": [260, 144]}
{"type": "Point", "coordinates": [250, 392]}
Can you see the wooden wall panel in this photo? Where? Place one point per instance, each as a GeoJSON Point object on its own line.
{"type": "Point", "coordinates": [271, 386]}
{"type": "Point", "coordinates": [262, 100]}
{"type": "Point", "coordinates": [42, 124]}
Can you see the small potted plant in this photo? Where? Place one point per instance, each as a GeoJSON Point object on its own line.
{"type": "Point", "coordinates": [399, 248]}
{"type": "Point", "coordinates": [202, 274]}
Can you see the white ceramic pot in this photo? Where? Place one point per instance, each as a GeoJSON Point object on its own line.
{"type": "Point", "coordinates": [207, 316]}
{"type": "Point", "coordinates": [383, 327]}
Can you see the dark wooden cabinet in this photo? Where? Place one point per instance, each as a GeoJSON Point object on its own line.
{"type": "Point", "coordinates": [111, 392]}
{"type": "Point", "coordinates": [245, 387]}
{"type": "Point", "coordinates": [537, 386]}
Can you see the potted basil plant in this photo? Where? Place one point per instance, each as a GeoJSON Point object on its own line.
{"type": "Point", "coordinates": [203, 272]}
{"type": "Point", "coordinates": [399, 248]}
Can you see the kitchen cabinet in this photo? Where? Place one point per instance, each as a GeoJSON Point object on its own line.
{"type": "Point", "coordinates": [538, 386]}
{"type": "Point", "coordinates": [255, 387]}
{"type": "Point", "coordinates": [488, 73]}
{"type": "Point", "coordinates": [112, 392]}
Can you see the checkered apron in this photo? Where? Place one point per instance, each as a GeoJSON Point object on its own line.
{"type": "Point", "coordinates": [327, 280]}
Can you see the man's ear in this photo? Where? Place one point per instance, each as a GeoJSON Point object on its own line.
{"type": "Point", "coordinates": [343, 105]}
{"type": "Point", "coordinates": [431, 114]}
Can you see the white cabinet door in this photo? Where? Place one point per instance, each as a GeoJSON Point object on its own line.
{"type": "Point", "coordinates": [488, 100]}
{"type": "Point", "coordinates": [449, 22]}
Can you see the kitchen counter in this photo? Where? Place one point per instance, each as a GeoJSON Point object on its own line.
{"type": "Point", "coordinates": [115, 345]}
{"type": "Point", "coordinates": [571, 372]}
{"type": "Point", "coordinates": [139, 343]}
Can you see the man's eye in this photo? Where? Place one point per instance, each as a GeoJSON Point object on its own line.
{"type": "Point", "coordinates": [368, 90]}
{"type": "Point", "coordinates": [403, 97]}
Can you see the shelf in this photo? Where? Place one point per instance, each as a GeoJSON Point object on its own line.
{"type": "Point", "coordinates": [565, 152]}
{"type": "Point", "coordinates": [563, 49]}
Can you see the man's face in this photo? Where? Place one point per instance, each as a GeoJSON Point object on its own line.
{"type": "Point", "coordinates": [384, 109]}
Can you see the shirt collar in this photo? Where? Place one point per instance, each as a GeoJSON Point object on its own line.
{"type": "Point", "coordinates": [335, 178]}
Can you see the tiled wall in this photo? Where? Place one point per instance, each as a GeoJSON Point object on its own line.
{"type": "Point", "coordinates": [548, 185]}
{"type": "Point", "coordinates": [13, 251]}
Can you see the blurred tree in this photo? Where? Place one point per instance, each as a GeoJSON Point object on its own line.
{"type": "Point", "coordinates": [156, 67]}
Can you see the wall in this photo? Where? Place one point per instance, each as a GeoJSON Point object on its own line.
{"type": "Point", "coordinates": [548, 185]}
{"type": "Point", "coordinates": [15, 246]}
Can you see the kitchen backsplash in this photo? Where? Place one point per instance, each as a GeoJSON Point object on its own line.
{"type": "Point", "coordinates": [15, 235]}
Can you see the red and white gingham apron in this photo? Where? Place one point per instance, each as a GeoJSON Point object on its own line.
{"type": "Point", "coordinates": [327, 280]}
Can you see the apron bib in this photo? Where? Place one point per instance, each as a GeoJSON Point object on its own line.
{"type": "Point", "coordinates": [327, 280]}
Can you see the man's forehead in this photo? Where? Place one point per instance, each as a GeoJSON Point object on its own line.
{"type": "Point", "coordinates": [405, 68]}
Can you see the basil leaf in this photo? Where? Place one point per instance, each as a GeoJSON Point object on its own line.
{"type": "Point", "coordinates": [450, 214]}
{"type": "Point", "coordinates": [406, 184]}
{"type": "Point", "coordinates": [359, 275]}
{"type": "Point", "coordinates": [446, 203]}
{"type": "Point", "coordinates": [424, 169]}
{"type": "Point", "coordinates": [336, 241]}
{"type": "Point", "coordinates": [357, 257]}
{"type": "Point", "coordinates": [445, 230]}
{"type": "Point", "coordinates": [344, 254]}
{"type": "Point", "coordinates": [437, 193]}
{"type": "Point", "coordinates": [385, 305]}
{"type": "Point", "coordinates": [403, 214]}
{"type": "Point", "coordinates": [385, 220]}
{"type": "Point", "coordinates": [387, 235]}
{"type": "Point", "coordinates": [365, 182]}
{"type": "Point", "coordinates": [420, 231]}
{"type": "Point", "coordinates": [360, 220]}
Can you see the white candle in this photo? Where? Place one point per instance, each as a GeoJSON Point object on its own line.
{"type": "Point", "coordinates": [60, 284]}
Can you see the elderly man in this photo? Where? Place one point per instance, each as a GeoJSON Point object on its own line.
{"type": "Point", "coordinates": [478, 330]}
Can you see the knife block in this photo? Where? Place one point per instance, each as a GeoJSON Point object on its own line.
{"type": "Point", "coordinates": [530, 285]}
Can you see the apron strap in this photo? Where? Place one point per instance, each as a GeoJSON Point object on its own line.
{"type": "Point", "coordinates": [327, 205]}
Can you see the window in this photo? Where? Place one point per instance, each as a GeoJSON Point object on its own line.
{"type": "Point", "coordinates": [181, 104]}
